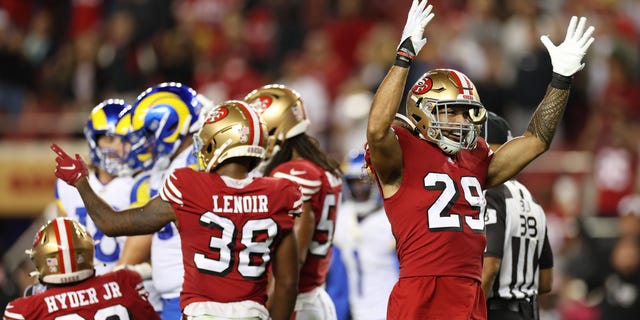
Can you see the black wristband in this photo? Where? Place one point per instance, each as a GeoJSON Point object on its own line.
{"type": "Point", "coordinates": [561, 82]}
{"type": "Point", "coordinates": [402, 61]}
{"type": "Point", "coordinates": [405, 54]}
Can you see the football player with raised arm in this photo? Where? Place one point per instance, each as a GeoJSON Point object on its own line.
{"type": "Point", "coordinates": [294, 155]}
{"type": "Point", "coordinates": [108, 176]}
{"type": "Point", "coordinates": [233, 228]}
{"type": "Point", "coordinates": [433, 187]}
{"type": "Point", "coordinates": [163, 119]}
{"type": "Point", "coordinates": [63, 253]}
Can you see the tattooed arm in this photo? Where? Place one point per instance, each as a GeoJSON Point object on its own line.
{"type": "Point", "coordinates": [566, 60]}
{"type": "Point", "coordinates": [514, 155]}
{"type": "Point", "coordinates": [141, 220]}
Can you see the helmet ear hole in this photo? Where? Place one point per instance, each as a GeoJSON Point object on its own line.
{"type": "Point", "coordinates": [210, 148]}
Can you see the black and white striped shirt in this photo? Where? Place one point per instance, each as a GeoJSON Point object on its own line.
{"type": "Point", "coordinates": [517, 234]}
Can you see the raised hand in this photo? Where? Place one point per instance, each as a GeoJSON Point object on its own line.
{"type": "Point", "coordinates": [68, 169]}
{"type": "Point", "coordinates": [413, 38]}
{"type": "Point", "coordinates": [566, 58]}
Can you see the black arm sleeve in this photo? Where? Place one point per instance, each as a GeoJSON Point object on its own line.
{"type": "Point", "coordinates": [546, 257]}
{"type": "Point", "coordinates": [495, 221]}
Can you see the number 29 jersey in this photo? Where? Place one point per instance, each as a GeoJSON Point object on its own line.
{"type": "Point", "coordinates": [229, 230]}
{"type": "Point", "coordinates": [437, 214]}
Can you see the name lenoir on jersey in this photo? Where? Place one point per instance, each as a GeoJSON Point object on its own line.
{"type": "Point", "coordinates": [240, 204]}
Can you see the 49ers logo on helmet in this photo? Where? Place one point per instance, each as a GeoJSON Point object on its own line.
{"type": "Point", "coordinates": [217, 114]}
{"type": "Point", "coordinates": [262, 103]}
{"type": "Point", "coordinates": [422, 86]}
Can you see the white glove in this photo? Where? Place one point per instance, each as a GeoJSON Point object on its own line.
{"type": "Point", "coordinates": [413, 38]}
{"type": "Point", "coordinates": [566, 58]}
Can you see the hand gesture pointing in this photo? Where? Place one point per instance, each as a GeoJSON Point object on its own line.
{"type": "Point", "coordinates": [68, 169]}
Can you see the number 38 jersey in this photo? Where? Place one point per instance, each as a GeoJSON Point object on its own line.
{"type": "Point", "coordinates": [322, 189]}
{"type": "Point", "coordinates": [437, 214]}
{"type": "Point", "coordinates": [114, 295]}
{"type": "Point", "coordinates": [517, 234]}
{"type": "Point", "coordinates": [229, 229]}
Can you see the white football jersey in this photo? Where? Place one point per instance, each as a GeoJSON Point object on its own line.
{"type": "Point", "coordinates": [115, 193]}
{"type": "Point", "coordinates": [166, 251]}
{"type": "Point", "coordinates": [368, 250]}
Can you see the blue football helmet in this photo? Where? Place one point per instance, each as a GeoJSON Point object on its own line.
{"type": "Point", "coordinates": [162, 117]}
{"type": "Point", "coordinates": [104, 120]}
{"type": "Point", "coordinates": [361, 188]}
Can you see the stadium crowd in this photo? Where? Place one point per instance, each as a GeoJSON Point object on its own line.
{"type": "Point", "coordinates": [58, 59]}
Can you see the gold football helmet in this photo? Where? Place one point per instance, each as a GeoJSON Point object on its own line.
{"type": "Point", "coordinates": [427, 104]}
{"type": "Point", "coordinates": [232, 129]}
{"type": "Point", "coordinates": [62, 252]}
{"type": "Point", "coordinates": [282, 110]}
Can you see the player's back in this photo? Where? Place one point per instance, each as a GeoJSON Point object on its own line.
{"type": "Point", "coordinates": [229, 230]}
{"type": "Point", "coordinates": [323, 190]}
{"type": "Point", "coordinates": [115, 193]}
{"type": "Point", "coordinates": [437, 214]}
{"type": "Point", "coordinates": [114, 295]}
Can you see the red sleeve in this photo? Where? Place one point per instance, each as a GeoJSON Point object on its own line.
{"type": "Point", "coordinates": [293, 190]}
{"type": "Point", "coordinates": [308, 177]}
{"type": "Point", "coordinates": [14, 310]}
{"type": "Point", "coordinates": [170, 191]}
{"type": "Point", "coordinates": [131, 282]}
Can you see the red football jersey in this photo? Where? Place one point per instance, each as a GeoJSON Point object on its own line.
{"type": "Point", "coordinates": [437, 215]}
{"type": "Point", "coordinates": [118, 294]}
{"type": "Point", "coordinates": [323, 190]}
{"type": "Point", "coordinates": [229, 232]}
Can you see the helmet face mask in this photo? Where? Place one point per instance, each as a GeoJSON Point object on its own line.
{"type": "Point", "coordinates": [282, 110]}
{"type": "Point", "coordinates": [232, 129]}
{"type": "Point", "coordinates": [359, 185]}
{"type": "Point", "coordinates": [62, 252]}
{"type": "Point", "coordinates": [106, 136]}
{"type": "Point", "coordinates": [163, 116]}
{"type": "Point", "coordinates": [435, 106]}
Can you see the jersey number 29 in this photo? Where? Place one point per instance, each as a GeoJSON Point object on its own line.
{"type": "Point", "coordinates": [439, 215]}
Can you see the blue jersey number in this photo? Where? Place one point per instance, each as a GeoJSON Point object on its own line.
{"type": "Point", "coordinates": [100, 240]}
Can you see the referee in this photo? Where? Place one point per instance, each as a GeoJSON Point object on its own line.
{"type": "Point", "coordinates": [518, 260]}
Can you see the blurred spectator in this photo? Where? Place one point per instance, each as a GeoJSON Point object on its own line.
{"type": "Point", "coordinates": [621, 299]}
{"type": "Point", "coordinates": [37, 42]}
{"type": "Point", "coordinates": [298, 76]}
{"type": "Point", "coordinates": [17, 74]}
{"type": "Point", "coordinates": [629, 212]}
{"type": "Point", "coordinates": [117, 56]}
{"type": "Point", "coordinates": [350, 116]}
{"type": "Point", "coordinates": [59, 58]}
{"type": "Point", "coordinates": [615, 166]}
